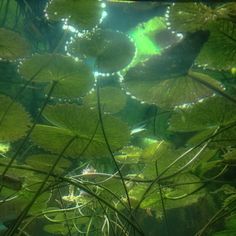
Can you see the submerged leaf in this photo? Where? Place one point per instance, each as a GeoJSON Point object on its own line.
{"type": "Point", "coordinates": [84, 14]}
{"type": "Point", "coordinates": [210, 113]}
{"type": "Point", "coordinates": [112, 51]}
{"type": "Point", "coordinates": [190, 17]}
{"type": "Point", "coordinates": [45, 162]}
{"type": "Point", "coordinates": [171, 92]}
{"type": "Point", "coordinates": [112, 99]}
{"type": "Point", "coordinates": [81, 124]}
{"type": "Point", "coordinates": [181, 194]}
{"type": "Point", "coordinates": [73, 79]}
{"type": "Point", "coordinates": [14, 120]}
{"type": "Point", "coordinates": [219, 52]}
{"type": "Point", "coordinates": [12, 45]}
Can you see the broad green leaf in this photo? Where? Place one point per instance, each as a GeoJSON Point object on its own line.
{"type": "Point", "coordinates": [10, 17]}
{"type": "Point", "coordinates": [112, 99]}
{"type": "Point", "coordinates": [84, 14]}
{"type": "Point", "coordinates": [219, 52]}
{"type": "Point", "coordinates": [230, 227]}
{"type": "Point", "coordinates": [73, 79]}
{"type": "Point", "coordinates": [225, 137]}
{"type": "Point", "coordinates": [151, 200]}
{"type": "Point", "coordinates": [12, 45]}
{"type": "Point", "coordinates": [183, 194]}
{"type": "Point", "coordinates": [163, 155]}
{"type": "Point", "coordinates": [230, 156]}
{"type": "Point", "coordinates": [45, 162]}
{"type": "Point", "coordinates": [129, 155]}
{"type": "Point", "coordinates": [190, 17]}
{"type": "Point", "coordinates": [111, 50]}
{"type": "Point", "coordinates": [81, 124]}
{"type": "Point", "coordinates": [171, 92]}
{"type": "Point", "coordinates": [14, 120]}
{"type": "Point", "coordinates": [210, 113]}
{"type": "Point", "coordinates": [56, 229]}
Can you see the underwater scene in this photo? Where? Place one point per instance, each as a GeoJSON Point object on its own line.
{"type": "Point", "coordinates": [117, 118]}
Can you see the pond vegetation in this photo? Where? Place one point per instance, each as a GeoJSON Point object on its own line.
{"type": "Point", "coordinates": [117, 118]}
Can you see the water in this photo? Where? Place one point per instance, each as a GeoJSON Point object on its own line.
{"type": "Point", "coordinates": [117, 118]}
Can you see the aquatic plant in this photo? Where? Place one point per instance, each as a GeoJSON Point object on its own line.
{"type": "Point", "coordinates": [117, 132]}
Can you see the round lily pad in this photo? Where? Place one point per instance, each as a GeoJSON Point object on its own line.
{"type": "Point", "coordinates": [112, 51]}
{"type": "Point", "coordinates": [112, 99]}
{"type": "Point", "coordinates": [14, 120]}
{"type": "Point", "coordinates": [219, 52]}
{"type": "Point", "coordinates": [84, 14]}
{"type": "Point", "coordinates": [211, 113]}
{"type": "Point", "coordinates": [45, 162]}
{"type": "Point", "coordinates": [172, 92]}
{"type": "Point", "coordinates": [12, 45]}
{"type": "Point", "coordinates": [82, 125]}
{"type": "Point", "coordinates": [190, 17]}
{"type": "Point", "coordinates": [73, 79]}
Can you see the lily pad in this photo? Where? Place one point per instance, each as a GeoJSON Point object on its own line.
{"type": "Point", "coordinates": [163, 154]}
{"type": "Point", "coordinates": [45, 162]}
{"type": "Point", "coordinates": [172, 92]}
{"type": "Point", "coordinates": [73, 79]}
{"type": "Point", "coordinates": [12, 45]}
{"type": "Point", "coordinates": [112, 99]}
{"type": "Point", "coordinates": [81, 124]}
{"type": "Point", "coordinates": [182, 195]}
{"type": "Point", "coordinates": [211, 113]}
{"type": "Point", "coordinates": [219, 52]}
{"type": "Point", "coordinates": [190, 17]}
{"type": "Point", "coordinates": [84, 14]}
{"type": "Point", "coordinates": [14, 120]}
{"type": "Point", "coordinates": [111, 50]}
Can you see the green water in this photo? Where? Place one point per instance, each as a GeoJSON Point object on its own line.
{"type": "Point", "coordinates": [117, 118]}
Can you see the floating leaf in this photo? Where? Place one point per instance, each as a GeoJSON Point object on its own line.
{"type": "Point", "coordinates": [174, 61]}
{"type": "Point", "coordinates": [230, 156]}
{"type": "Point", "coordinates": [45, 162]}
{"type": "Point", "coordinates": [80, 123]}
{"type": "Point", "coordinates": [163, 154]}
{"type": "Point", "coordinates": [190, 17]}
{"type": "Point", "coordinates": [12, 45]}
{"type": "Point", "coordinates": [219, 52]}
{"type": "Point", "coordinates": [10, 17]}
{"type": "Point", "coordinates": [105, 47]}
{"type": "Point", "coordinates": [211, 113]}
{"type": "Point", "coordinates": [223, 139]}
{"type": "Point", "coordinates": [230, 227]}
{"type": "Point", "coordinates": [112, 99]}
{"type": "Point", "coordinates": [73, 78]}
{"type": "Point", "coordinates": [14, 120]}
{"type": "Point", "coordinates": [84, 14]}
{"type": "Point", "coordinates": [129, 154]}
{"type": "Point", "coordinates": [182, 195]}
{"type": "Point", "coordinates": [171, 92]}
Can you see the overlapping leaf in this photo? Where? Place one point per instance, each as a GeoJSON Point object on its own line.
{"type": "Point", "coordinates": [111, 50]}
{"type": "Point", "coordinates": [82, 125]}
{"type": "Point", "coordinates": [169, 92]}
{"type": "Point", "coordinates": [190, 17]}
{"type": "Point", "coordinates": [12, 45]}
{"type": "Point", "coordinates": [219, 52]}
{"type": "Point", "coordinates": [84, 14]}
{"type": "Point", "coordinates": [73, 78]}
{"type": "Point", "coordinates": [45, 162]}
{"type": "Point", "coordinates": [112, 99]}
{"type": "Point", "coordinates": [14, 120]}
{"type": "Point", "coordinates": [163, 154]}
{"type": "Point", "coordinates": [211, 113]}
